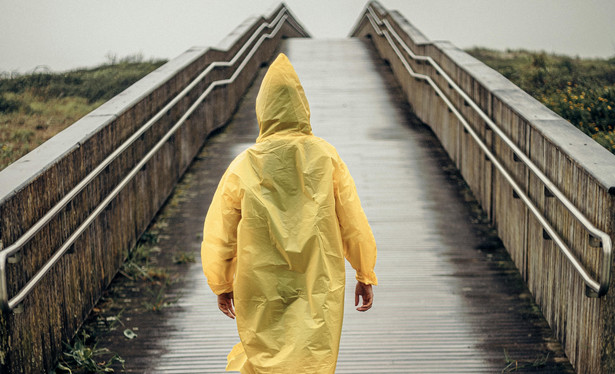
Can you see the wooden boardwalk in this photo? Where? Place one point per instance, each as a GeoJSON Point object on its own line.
{"type": "Point", "coordinates": [449, 299]}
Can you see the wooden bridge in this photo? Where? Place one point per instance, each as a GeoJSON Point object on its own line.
{"type": "Point", "coordinates": [493, 217]}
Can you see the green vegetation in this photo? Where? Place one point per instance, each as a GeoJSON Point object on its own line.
{"type": "Point", "coordinates": [141, 265]}
{"type": "Point", "coordinates": [513, 365]}
{"type": "Point", "coordinates": [580, 90]}
{"type": "Point", "coordinates": [183, 258]}
{"type": "Point", "coordinates": [143, 272]}
{"type": "Point", "coordinates": [34, 107]}
{"type": "Point", "coordinates": [83, 356]}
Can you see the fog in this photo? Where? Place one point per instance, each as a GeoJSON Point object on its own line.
{"type": "Point", "coordinates": [67, 34]}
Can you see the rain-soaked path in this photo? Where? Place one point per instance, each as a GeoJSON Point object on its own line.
{"type": "Point", "coordinates": [449, 299]}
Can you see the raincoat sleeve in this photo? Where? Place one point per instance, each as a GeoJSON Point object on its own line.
{"type": "Point", "coordinates": [357, 237]}
{"type": "Point", "coordinates": [219, 246]}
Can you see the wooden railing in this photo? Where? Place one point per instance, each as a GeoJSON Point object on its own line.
{"type": "Point", "coordinates": [71, 210]}
{"type": "Point", "coordinates": [548, 188]}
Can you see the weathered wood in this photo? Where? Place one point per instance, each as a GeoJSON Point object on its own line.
{"type": "Point", "coordinates": [30, 341]}
{"type": "Point", "coordinates": [583, 170]}
{"type": "Point", "coordinates": [448, 299]}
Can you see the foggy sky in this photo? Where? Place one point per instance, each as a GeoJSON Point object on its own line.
{"type": "Point", "coordinates": [66, 34]}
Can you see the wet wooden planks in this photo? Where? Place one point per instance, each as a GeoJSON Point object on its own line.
{"type": "Point", "coordinates": [449, 299]}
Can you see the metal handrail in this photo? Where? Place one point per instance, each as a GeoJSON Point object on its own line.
{"type": "Point", "coordinates": [9, 304]}
{"type": "Point", "coordinates": [594, 288]}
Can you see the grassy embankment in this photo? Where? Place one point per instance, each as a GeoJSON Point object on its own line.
{"type": "Point", "coordinates": [34, 107]}
{"type": "Point", "coordinates": [580, 90]}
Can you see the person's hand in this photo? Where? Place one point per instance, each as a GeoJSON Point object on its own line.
{"type": "Point", "coordinates": [225, 304]}
{"type": "Point", "coordinates": [365, 291]}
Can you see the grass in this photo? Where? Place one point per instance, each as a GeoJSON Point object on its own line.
{"type": "Point", "coordinates": [183, 258]}
{"type": "Point", "coordinates": [34, 107]}
{"type": "Point", "coordinates": [580, 90]}
{"type": "Point", "coordinates": [513, 365]}
{"type": "Point", "coordinates": [141, 266]}
{"type": "Point", "coordinates": [84, 356]}
{"type": "Point", "coordinates": [139, 271]}
{"type": "Point", "coordinates": [37, 120]}
{"type": "Point", "coordinates": [100, 83]}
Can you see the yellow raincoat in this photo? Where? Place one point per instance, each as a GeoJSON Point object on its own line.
{"type": "Point", "coordinates": [285, 215]}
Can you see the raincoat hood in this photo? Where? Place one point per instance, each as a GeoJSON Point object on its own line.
{"type": "Point", "coordinates": [281, 105]}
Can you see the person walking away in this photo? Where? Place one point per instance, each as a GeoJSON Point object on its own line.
{"type": "Point", "coordinates": [283, 218]}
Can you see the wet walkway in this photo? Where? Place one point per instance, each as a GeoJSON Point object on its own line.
{"type": "Point", "coordinates": [449, 300]}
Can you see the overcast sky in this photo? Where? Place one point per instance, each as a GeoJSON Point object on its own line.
{"type": "Point", "coordinates": [66, 34]}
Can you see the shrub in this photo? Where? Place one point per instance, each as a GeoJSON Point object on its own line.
{"type": "Point", "coordinates": [580, 90]}
{"type": "Point", "coordinates": [36, 106]}
{"type": "Point", "coordinates": [100, 83]}
{"type": "Point", "coordinates": [8, 105]}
